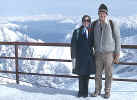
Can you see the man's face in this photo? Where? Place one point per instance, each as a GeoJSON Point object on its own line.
{"type": "Point", "coordinates": [86, 22]}
{"type": "Point", "coordinates": [102, 16]}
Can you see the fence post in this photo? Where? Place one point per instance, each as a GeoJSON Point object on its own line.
{"type": "Point", "coordinates": [16, 63]}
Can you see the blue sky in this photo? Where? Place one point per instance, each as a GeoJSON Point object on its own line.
{"type": "Point", "coordinates": [66, 7]}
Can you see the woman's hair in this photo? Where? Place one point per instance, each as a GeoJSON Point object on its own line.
{"type": "Point", "coordinates": [83, 18]}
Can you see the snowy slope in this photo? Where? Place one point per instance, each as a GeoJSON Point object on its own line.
{"type": "Point", "coordinates": [12, 32]}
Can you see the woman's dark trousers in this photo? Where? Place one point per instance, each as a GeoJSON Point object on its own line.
{"type": "Point", "coordinates": [83, 85]}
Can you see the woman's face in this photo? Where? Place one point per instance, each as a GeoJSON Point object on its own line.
{"type": "Point", "coordinates": [86, 22]}
{"type": "Point", "coordinates": [102, 16]}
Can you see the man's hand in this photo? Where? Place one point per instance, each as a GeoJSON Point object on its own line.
{"type": "Point", "coordinates": [116, 58]}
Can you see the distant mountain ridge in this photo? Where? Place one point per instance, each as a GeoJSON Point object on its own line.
{"type": "Point", "coordinates": [56, 29]}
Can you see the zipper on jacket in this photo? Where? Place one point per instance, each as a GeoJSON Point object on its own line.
{"type": "Point", "coordinates": [101, 29]}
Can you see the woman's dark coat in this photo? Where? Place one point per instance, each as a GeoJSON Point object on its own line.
{"type": "Point", "coordinates": [82, 50]}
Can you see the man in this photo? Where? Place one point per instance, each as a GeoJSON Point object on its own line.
{"type": "Point", "coordinates": [82, 55]}
{"type": "Point", "coordinates": [107, 49]}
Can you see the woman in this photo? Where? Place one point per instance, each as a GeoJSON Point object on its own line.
{"type": "Point", "coordinates": [82, 54]}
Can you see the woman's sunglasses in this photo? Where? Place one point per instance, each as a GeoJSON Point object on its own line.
{"type": "Point", "coordinates": [86, 20]}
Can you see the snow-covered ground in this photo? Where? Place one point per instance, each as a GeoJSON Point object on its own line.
{"type": "Point", "coordinates": [58, 28]}
{"type": "Point", "coordinates": [26, 91]}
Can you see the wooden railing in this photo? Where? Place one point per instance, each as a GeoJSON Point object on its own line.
{"type": "Point", "coordinates": [17, 58]}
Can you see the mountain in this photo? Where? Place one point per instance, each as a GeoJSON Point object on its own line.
{"type": "Point", "coordinates": [56, 28]}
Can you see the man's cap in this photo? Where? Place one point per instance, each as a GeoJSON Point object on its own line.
{"type": "Point", "coordinates": [103, 8]}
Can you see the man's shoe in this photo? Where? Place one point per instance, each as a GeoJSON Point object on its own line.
{"type": "Point", "coordinates": [107, 95]}
{"type": "Point", "coordinates": [96, 93]}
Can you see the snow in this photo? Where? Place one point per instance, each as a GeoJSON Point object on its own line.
{"type": "Point", "coordinates": [33, 92]}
